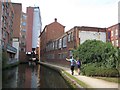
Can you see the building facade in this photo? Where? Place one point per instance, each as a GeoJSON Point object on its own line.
{"type": "Point", "coordinates": [49, 34]}
{"type": "Point", "coordinates": [34, 26]}
{"type": "Point", "coordinates": [8, 51]}
{"type": "Point", "coordinates": [119, 12]}
{"type": "Point", "coordinates": [113, 35]}
{"type": "Point", "coordinates": [91, 33]}
{"type": "Point", "coordinates": [56, 50]}
{"type": "Point", "coordinates": [23, 31]}
{"type": "Point", "coordinates": [16, 27]}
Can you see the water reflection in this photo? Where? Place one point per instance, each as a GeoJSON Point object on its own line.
{"type": "Point", "coordinates": [32, 76]}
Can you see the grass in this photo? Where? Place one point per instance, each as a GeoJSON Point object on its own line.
{"type": "Point", "coordinates": [110, 79]}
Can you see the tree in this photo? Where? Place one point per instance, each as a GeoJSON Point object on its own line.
{"type": "Point", "coordinates": [95, 51]}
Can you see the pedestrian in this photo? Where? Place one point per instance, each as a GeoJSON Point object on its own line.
{"type": "Point", "coordinates": [78, 65]}
{"type": "Point", "coordinates": [73, 63]}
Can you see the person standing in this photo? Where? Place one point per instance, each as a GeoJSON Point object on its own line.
{"type": "Point", "coordinates": [72, 64]}
{"type": "Point", "coordinates": [78, 65]}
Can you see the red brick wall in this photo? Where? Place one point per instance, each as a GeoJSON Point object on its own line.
{"type": "Point", "coordinates": [54, 30]}
{"type": "Point", "coordinates": [50, 32]}
{"type": "Point", "coordinates": [23, 57]}
{"type": "Point", "coordinates": [17, 19]}
{"type": "Point", "coordinates": [29, 29]}
{"type": "Point", "coordinates": [114, 37]}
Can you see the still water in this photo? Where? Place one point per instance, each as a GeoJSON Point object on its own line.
{"type": "Point", "coordinates": [32, 76]}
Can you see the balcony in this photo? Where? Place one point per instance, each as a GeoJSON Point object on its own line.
{"type": "Point", "coordinates": [11, 49]}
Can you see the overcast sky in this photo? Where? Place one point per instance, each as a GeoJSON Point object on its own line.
{"type": "Point", "coordinates": [70, 13]}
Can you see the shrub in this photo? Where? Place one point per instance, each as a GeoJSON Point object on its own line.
{"type": "Point", "coordinates": [93, 70]}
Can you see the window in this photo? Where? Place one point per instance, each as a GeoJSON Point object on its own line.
{"type": "Point", "coordinates": [23, 49]}
{"type": "Point", "coordinates": [53, 46]}
{"type": "Point", "coordinates": [111, 33]}
{"type": "Point", "coordinates": [23, 43]}
{"type": "Point", "coordinates": [68, 37]}
{"type": "Point", "coordinates": [48, 47]}
{"type": "Point", "coordinates": [2, 18]}
{"type": "Point", "coordinates": [24, 16]}
{"type": "Point", "coordinates": [23, 30]}
{"type": "Point", "coordinates": [56, 44]}
{"type": "Point", "coordinates": [24, 23]}
{"type": "Point", "coordinates": [116, 32]}
{"type": "Point", "coordinates": [65, 41]}
{"type": "Point", "coordinates": [2, 5]}
{"type": "Point", "coordinates": [60, 43]}
{"type": "Point", "coordinates": [71, 36]}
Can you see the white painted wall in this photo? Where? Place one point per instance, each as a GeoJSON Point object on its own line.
{"type": "Point", "coordinates": [16, 45]}
{"type": "Point", "coordinates": [91, 35]}
{"type": "Point", "coordinates": [36, 27]}
{"type": "Point", "coordinates": [119, 12]}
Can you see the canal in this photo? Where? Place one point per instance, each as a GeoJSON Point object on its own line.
{"type": "Point", "coordinates": [32, 76]}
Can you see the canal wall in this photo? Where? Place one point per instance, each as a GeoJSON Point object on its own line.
{"type": "Point", "coordinates": [69, 80]}
{"type": "Point", "coordinates": [6, 66]}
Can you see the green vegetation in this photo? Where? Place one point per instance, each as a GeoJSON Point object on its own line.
{"type": "Point", "coordinates": [98, 58]}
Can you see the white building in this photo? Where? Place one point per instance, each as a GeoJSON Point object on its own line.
{"type": "Point", "coordinates": [37, 26]}
{"type": "Point", "coordinates": [119, 12]}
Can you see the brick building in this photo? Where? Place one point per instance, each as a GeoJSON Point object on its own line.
{"type": "Point", "coordinates": [34, 25]}
{"type": "Point", "coordinates": [113, 35]}
{"type": "Point", "coordinates": [55, 48]}
{"type": "Point", "coordinates": [30, 11]}
{"type": "Point", "coordinates": [51, 32]}
{"type": "Point", "coordinates": [7, 15]}
{"type": "Point", "coordinates": [16, 27]}
{"type": "Point", "coordinates": [23, 30]}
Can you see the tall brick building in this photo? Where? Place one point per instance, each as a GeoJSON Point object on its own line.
{"type": "Point", "coordinates": [23, 31]}
{"type": "Point", "coordinates": [34, 26]}
{"type": "Point", "coordinates": [16, 26]}
{"type": "Point", "coordinates": [6, 29]}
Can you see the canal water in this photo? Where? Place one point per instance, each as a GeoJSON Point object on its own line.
{"type": "Point", "coordinates": [32, 76]}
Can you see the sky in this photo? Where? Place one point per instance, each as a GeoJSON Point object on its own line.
{"type": "Point", "coordinates": [70, 13]}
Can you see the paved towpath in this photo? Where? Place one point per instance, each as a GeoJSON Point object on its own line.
{"type": "Point", "coordinates": [92, 82]}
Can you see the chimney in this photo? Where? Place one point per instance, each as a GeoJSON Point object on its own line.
{"type": "Point", "coordinates": [55, 19]}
